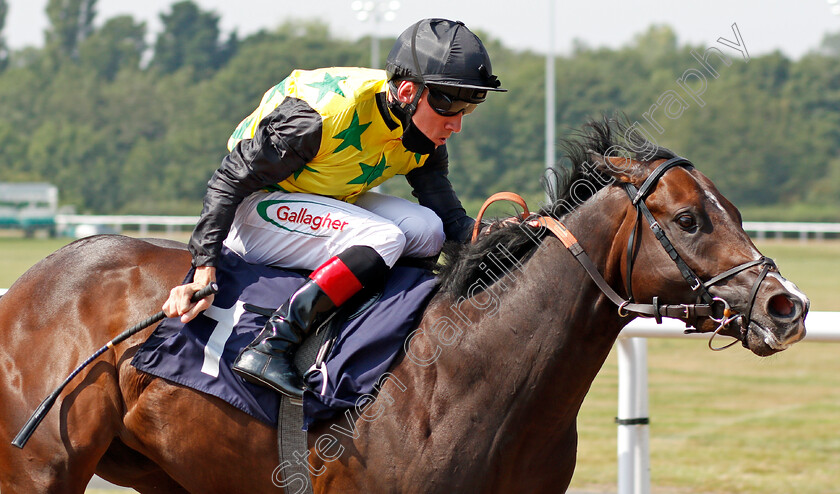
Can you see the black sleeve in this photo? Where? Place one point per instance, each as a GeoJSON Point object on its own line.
{"type": "Point", "coordinates": [432, 189]}
{"type": "Point", "coordinates": [285, 140]}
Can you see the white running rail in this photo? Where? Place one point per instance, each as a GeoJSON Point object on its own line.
{"type": "Point", "coordinates": [632, 419]}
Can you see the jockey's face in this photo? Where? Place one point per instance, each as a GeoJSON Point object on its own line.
{"type": "Point", "coordinates": [436, 127]}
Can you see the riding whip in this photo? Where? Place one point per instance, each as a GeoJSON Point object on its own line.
{"type": "Point", "coordinates": [45, 406]}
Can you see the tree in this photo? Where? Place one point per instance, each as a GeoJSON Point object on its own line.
{"type": "Point", "coordinates": [830, 45]}
{"type": "Point", "coordinates": [118, 44]}
{"type": "Point", "coordinates": [4, 50]}
{"type": "Point", "coordinates": [655, 43]}
{"type": "Point", "coordinates": [71, 22]}
{"type": "Point", "coordinates": [190, 38]}
{"type": "Point", "coordinates": [120, 137]}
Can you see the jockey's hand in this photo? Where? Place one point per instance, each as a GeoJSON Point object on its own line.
{"type": "Point", "coordinates": [499, 224]}
{"type": "Point", "coordinates": [179, 304]}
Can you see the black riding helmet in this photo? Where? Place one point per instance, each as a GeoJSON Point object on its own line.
{"type": "Point", "coordinates": [444, 55]}
{"type": "Point", "coordinates": [447, 58]}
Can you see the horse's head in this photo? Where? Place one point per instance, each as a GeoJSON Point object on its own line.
{"type": "Point", "coordinates": [683, 243]}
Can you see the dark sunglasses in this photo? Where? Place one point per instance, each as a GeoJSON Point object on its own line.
{"type": "Point", "coordinates": [447, 106]}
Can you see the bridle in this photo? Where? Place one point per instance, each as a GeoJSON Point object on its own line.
{"type": "Point", "coordinates": [705, 304]}
{"type": "Point", "coordinates": [700, 289]}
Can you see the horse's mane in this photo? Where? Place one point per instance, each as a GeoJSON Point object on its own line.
{"type": "Point", "coordinates": [567, 187]}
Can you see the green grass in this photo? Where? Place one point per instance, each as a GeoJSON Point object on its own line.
{"type": "Point", "coordinates": [721, 422]}
{"type": "Point", "coordinates": [19, 254]}
{"type": "Point", "coordinates": [724, 422]}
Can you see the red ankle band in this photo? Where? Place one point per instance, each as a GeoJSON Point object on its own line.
{"type": "Point", "coordinates": [336, 280]}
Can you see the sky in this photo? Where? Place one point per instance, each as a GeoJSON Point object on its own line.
{"type": "Point", "coordinates": [792, 26]}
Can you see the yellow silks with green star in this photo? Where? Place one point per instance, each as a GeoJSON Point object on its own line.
{"type": "Point", "coordinates": [358, 151]}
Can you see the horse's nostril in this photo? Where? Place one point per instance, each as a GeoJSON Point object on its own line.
{"type": "Point", "coordinates": [781, 305]}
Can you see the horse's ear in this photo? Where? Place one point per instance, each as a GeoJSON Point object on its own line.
{"type": "Point", "coordinates": [620, 168]}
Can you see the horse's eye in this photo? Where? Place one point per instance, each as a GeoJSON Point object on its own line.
{"type": "Point", "coordinates": [686, 221]}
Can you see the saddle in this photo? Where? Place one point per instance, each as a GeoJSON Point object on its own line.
{"type": "Point", "coordinates": [352, 350]}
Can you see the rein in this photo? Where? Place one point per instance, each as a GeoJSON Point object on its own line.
{"type": "Point", "coordinates": [705, 305]}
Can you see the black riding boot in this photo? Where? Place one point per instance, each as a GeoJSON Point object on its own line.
{"type": "Point", "coordinates": [269, 359]}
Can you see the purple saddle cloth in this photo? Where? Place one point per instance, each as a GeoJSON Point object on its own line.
{"type": "Point", "coordinates": [199, 354]}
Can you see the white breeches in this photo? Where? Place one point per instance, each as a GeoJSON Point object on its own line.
{"type": "Point", "coordinates": [303, 231]}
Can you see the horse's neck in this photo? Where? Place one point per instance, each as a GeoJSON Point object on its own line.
{"type": "Point", "coordinates": [529, 346]}
{"type": "Point", "coordinates": [553, 328]}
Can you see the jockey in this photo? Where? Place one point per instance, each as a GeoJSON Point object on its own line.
{"type": "Point", "coordinates": [294, 191]}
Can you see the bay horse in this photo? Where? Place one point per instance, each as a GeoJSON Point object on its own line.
{"type": "Point", "coordinates": [483, 400]}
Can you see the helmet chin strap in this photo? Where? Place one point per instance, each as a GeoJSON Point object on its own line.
{"type": "Point", "coordinates": [413, 138]}
{"type": "Point", "coordinates": [406, 110]}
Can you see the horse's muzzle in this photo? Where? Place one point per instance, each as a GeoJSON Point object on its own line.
{"type": "Point", "coordinates": [778, 318]}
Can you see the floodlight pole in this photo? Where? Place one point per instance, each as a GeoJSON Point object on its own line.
{"type": "Point", "coordinates": [375, 10]}
{"type": "Point", "coordinates": [374, 44]}
{"type": "Point", "coordinates": [549, 91]}
{"type": "Point", "coordinates": [550, 159]}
